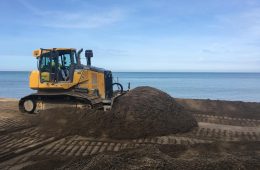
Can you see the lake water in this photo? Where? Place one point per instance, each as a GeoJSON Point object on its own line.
{"type": "Point", "coordinates": [226, 86]}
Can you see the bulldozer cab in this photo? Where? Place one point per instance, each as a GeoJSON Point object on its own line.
{"type": "Point", "coordinates": [57, 65]}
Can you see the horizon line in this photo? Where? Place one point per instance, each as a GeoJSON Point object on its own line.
{"type": "Point", "coordinates": [155, 71]}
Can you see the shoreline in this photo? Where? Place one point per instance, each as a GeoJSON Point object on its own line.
{"type": "Point", "coordinates": [2, 99]}
{"type": "Point", "coordinates": [249, 110]}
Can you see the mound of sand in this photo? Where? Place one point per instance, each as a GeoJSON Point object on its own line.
{"type": "Point", "coordinates": [142, 112]}
{"type": "Point", "coordinates": [146, 111]}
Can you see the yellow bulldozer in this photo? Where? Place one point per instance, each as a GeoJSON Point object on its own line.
{"type": "Point", "coordinates": [62, 78]}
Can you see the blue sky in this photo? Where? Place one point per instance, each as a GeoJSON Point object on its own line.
{"type": "Point", "coordinates": [146, 35]}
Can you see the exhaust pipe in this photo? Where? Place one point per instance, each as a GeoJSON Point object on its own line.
{"type": "Point", "coordinates": [78, 55]}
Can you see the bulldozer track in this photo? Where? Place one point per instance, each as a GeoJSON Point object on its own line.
{"type": "Point", "coordinates": [8, 125]}
{"type": "Point", "coordinates": [82, 146]}
{"type": "Point", "coordinates": [73, 146]}
{"type": "Point", "coordinates": [226, 120]}
{"type": "Point", "coordinates": [225, 132]}
{"type": "Point", "coordinates": [20, 142]}
{"type": "Point", "coordinates": [78, 146]}
{"type": "Point", "coordinates": [18, 146]}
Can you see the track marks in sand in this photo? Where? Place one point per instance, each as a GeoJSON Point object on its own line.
{"type": "Point", "coordinates": [17, 143]}
{"type": "Point", "coordinates": [78, 146]}
{"type": "Point", "coordinates": [8, 125]}
{"type": "Point", "coordinates": [211, 131]}
{"type": "Point", "coordinates": [82, 146]}
{"type": "Point", "coordinates": [227, 120]}
{"type": "Point", "coordinates": [17, 148]}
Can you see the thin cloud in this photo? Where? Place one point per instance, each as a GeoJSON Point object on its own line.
{"type": "Point", "coordinates": [247, 22]}
{"type": "Point", "coordinates": [33, 9]}
{"type": "Point", "coordinates": [217, 48]}
{"type": "Point", "coordinates": [82, 20]}
{"type": "Point", "coordinates": [64, 19]}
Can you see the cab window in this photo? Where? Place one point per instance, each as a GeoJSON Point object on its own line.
{"type": "Point", "coordinates": [45, 63]}
{"type": "Point", "coordinates": [74, 56]}
{"type": "Point", "coordinates": [65, 60]}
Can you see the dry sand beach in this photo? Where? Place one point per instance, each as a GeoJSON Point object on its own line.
{"type": "Point", "coordinates": [146, 129]}
{"type": "Point", "coordinates": [130, 85]}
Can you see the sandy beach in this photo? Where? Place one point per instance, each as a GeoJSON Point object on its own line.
{"type": "Point", "coordinates": [130, 85]}
{"type": "Point", "coordinates": [227, 136]}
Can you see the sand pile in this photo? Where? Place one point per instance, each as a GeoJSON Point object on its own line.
{"type": "Point", "coordinates": [142, 112]}
{"type": "Point", "coordinates": [146, 111]}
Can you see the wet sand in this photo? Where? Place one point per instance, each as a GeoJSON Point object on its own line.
{"type": "Point", "coordinates": [227, 137]}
